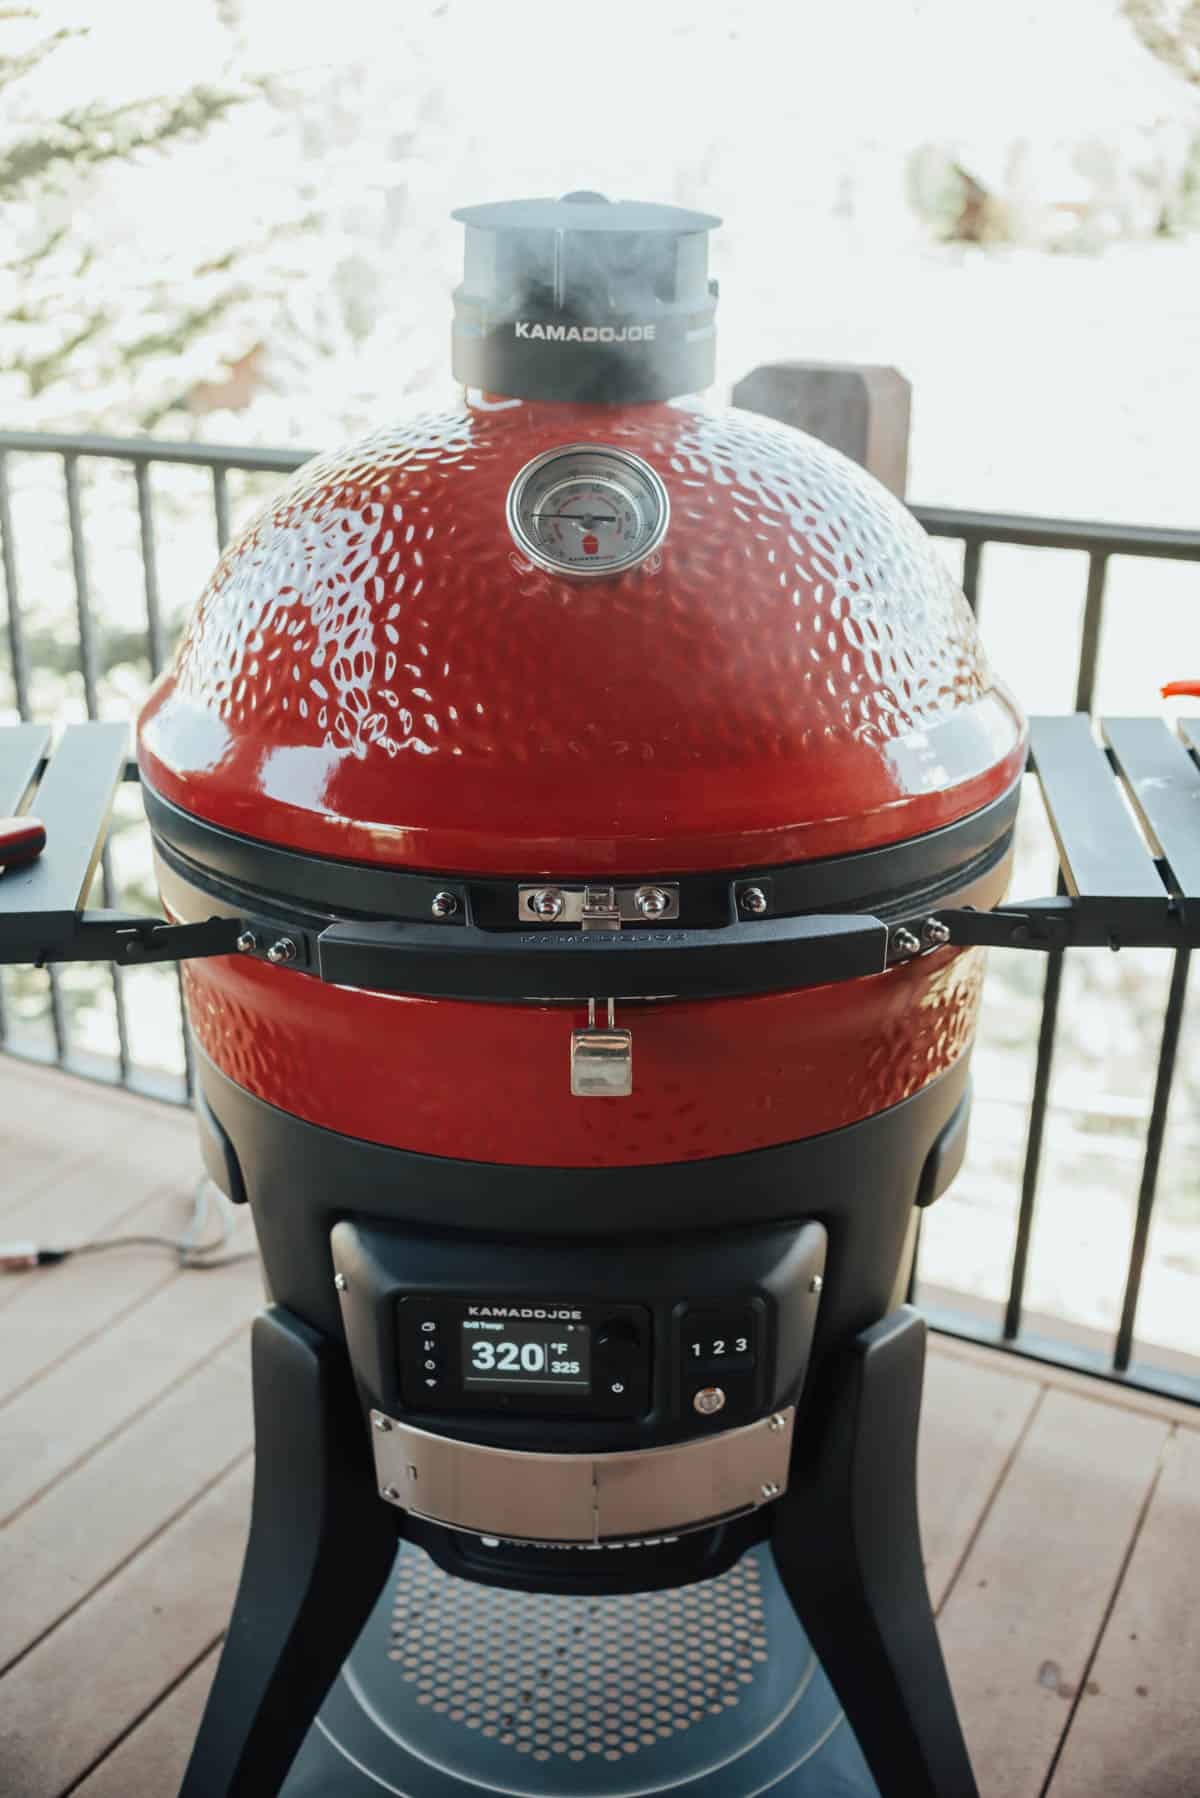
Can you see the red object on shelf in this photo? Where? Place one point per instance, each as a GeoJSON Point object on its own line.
{"type": "Point", "coordinates": [21, 840]}
{"type": "Point", "coordinates": [1182, 689]}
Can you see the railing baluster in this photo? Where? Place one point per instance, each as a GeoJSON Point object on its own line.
{"type": "Point", "coordinates": [1033, 1144]}
{"type": "Point", "coordinates": [83, 601]}
{"type": "Point", "coordinates": [1089, 642]}
{"type": "Point", "coordinates": [116, 974]}
{"type": "Point", "coordinates": [1093, 616]}
{"type": "Point", "coordinates": [1168, 1047]}
{"type": "Point", "coordinates": [18, 660]}
{"type": "Point", "coordinates": [18, 665]}
{"type": "Point", "coordinates": [221, 506]}
{"type": "Point", "coordinates": [972, 556]}
{"type": "Point", "coordinates": [58, 1016]}
{"type": "Point", "coordinates": [154, 630]}
{"type": "Point", "coordinates": [89, 668]}
{"type": "Point", "coordinates": [185, 1038]}
{"type": "Point", "coordinates": [156, 646]}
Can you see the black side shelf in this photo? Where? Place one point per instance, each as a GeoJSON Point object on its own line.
{"type": "Point", "coordinates": [1126, 819]}
{"type": "Point", "coordinates": [41, 903]}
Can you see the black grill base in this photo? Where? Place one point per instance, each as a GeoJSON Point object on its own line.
{"type": "Point", "coordinates": [712, 1690]}
{"type": "Point", "coordinates": [843, 1536]}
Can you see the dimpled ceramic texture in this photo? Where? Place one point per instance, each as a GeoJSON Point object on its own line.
{"type": "Point", "coordinates": [375, 674]}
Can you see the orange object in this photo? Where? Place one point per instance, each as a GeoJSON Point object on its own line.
{"type": "Point", "coordinates": [1182, 689]}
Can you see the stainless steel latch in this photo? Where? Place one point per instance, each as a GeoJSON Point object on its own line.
{"type": "Point", "coordinates": [602, 1058]}
{"type": "Point", "coordinates": [599, 906]}
{"type": "Point", "coordinates": [600, 909]}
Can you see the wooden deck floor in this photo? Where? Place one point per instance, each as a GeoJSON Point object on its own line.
{"type": "Point", "coordinates": [1061, 1518]}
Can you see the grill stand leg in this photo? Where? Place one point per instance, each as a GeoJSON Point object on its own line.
{"type": "Point", "coordinates": [321, 1543]}
{"type": "Point", "coordinates": [847, 1544]}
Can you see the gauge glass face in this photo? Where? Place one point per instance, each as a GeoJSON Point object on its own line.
{"type": "Point", "coordinates": [587, 510]}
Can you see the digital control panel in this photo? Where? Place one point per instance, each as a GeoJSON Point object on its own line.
{"type": "Point", "coordinates": [622, 1342]}
{"type": "Point", "coordinates": [492, 1353]}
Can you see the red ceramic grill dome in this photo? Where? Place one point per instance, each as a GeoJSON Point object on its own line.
{"type": "Point", "coordinates": [376, 675]}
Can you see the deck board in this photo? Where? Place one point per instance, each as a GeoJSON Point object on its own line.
{"type": "Point", "coordinates": [58, 1550]}
{"type": "Point", "coordinates": [1025, 1611]}
{"type": "Point", "coordinates": [1137, 1728]}
{"type": "Point", "coordinates": [152, 1757]}
{"type": "Point", "coordinates": [73, 1696]}
{"type": "Point", "coordinates": [971, 1423]}
{"type": "Point", "coordinates": [1058, 1515]}
{"type": "Point", "coordinates": [53, 1316]}
{"type": "Point", "coordinates": [68, 1185]}
{"type": "Point", "coordinates": [51, 1425]}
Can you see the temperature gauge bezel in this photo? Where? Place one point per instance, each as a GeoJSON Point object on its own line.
{"type": "Point", "coordinates": [621, 464]}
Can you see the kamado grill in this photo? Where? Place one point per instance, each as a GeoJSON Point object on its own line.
{"type": "Point", "coordinates": [579, 815]}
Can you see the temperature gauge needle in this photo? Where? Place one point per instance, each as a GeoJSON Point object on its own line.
{"type": "Point", "coordinates": [586, 519]}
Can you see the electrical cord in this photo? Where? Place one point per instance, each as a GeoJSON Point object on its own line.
{"type": "Point", "coordinates": [21, 1257]}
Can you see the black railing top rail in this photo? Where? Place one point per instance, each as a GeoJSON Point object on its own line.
{"type": "Point", "coordinates": [964, 524]}
{"type": "Point", "coordinates": [156, 449]}
{"type": "Point", "coordinates": [1094, 539]}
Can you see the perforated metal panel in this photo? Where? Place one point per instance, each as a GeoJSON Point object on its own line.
{"type": "Point", "coordinates": [455, 1688]}
{"type": "Point", "coordinates": [573, 1677]}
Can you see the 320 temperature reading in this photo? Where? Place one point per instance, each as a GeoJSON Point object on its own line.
{"type": "Point", "coordinates": [523, 1357]}
{"type": "Point", "coordinates": [513, 1357]}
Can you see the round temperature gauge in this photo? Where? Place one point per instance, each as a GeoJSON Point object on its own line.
{"type": "Point", "coordinates": [587, 509]}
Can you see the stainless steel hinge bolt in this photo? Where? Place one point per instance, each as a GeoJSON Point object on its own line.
{"type": "Point", "coordinates": [444, 905]}
{"type": "Point", "coordinates": [341, 1282]}
{"type": "Point", "coordinates": [905, 943]}
{"type": "Point", "coordinates": [247, 943]}
{"type": "Point", "coordinates": [547, 902]}
{"type": "Point", "coordinates": [283, 949]}
{"type": "Point", "coordinates": [754, 901]}
{"type": "Point", "coordinates": [770, 1489]}
{"type": "Point", "coordinates": [381, 1422]}
{"type": "Point", "coordinates": [934, 933]}
{"type": "Point", "coordinates": [817, 1283]}
{"type": "Point", "coordinates": [652, 902]}
{"type": "Point", "coordinates": [776, 1423]}
{"type": "Point", "coordinates": [390, 1493]}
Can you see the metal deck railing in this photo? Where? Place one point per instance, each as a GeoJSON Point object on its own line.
{"type": "Point", "coordinates": [975, 530]}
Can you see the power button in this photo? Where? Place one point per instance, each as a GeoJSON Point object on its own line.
{"type": "Point", "coordinates": [708, 1401]}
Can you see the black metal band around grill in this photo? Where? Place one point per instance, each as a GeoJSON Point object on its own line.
{"type": "Point", "coordinates": [1129, 883]}
{"type": "Point", "coordinates": [370, 927]}
{"type": "Point", "coordinates": [898, 879]}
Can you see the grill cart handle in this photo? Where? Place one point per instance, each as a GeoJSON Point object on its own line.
{"type": "Point", "coordinates": [766, 955]}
